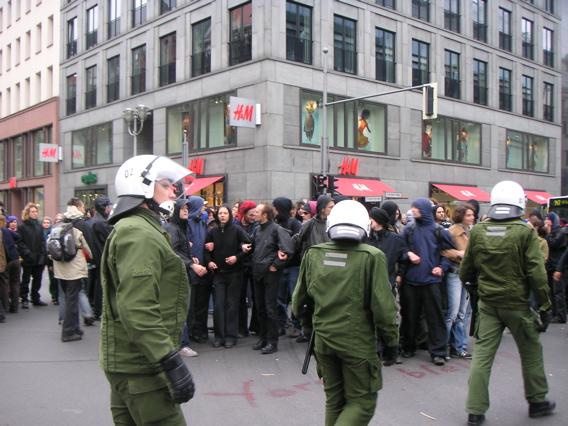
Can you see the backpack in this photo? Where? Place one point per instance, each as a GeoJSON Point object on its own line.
{"type": "Point", "coordinates": [61, 243]}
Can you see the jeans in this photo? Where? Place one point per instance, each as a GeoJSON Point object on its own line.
{"type": "Point", "coordinates": [286, 288]}
{"type": "Point", "coordinates": [266, 295]}
{"type": "Point", "coordinates": [71, 289]}
{"type": "Point", "coordinates": [458, 301]}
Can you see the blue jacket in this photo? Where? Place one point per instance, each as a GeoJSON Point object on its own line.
{"type": "Point", "coordinates": [196, 228]}
{"type": "Point", "coordinates": [425, 244]}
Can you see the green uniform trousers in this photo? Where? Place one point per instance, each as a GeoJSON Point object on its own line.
{"type": "Point", "coordinates": [351, 386]}
{"type": "Point", "coordinates": [137, 400]}
{"type": "Point", "coordinates": [491, 324]}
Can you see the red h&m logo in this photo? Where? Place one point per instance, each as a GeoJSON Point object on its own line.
{"type": "Point", "coordinates": [349, 166]}
{"type": "Point", "coordinates": [12, 183]}
{"type": "Point", "coordinates": [243, 112]}
{"type": "Point", "coordinates": [197, 165]}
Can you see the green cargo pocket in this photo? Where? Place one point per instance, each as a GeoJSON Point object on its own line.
{"type": "Point", "coordinates": [150, 402]}
{"type": "Point", "coordinates": [143, 384]}
{"type": "Point", "coordinates": [375, 376]}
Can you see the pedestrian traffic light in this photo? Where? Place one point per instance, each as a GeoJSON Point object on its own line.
{"type": "Point", "coordinates": [430, 101]}
{"type": "Point", "coordinates": [320, 184]}
{"type": "Point", "coordinates": [332, 185]}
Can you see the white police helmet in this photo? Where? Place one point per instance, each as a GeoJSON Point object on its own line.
{"type": "Point", "coordinates": [135, 180]}
{"type": "Point", "coordinates": [348, 220]}
{"type": "Point", "coordinates": [507, 200]}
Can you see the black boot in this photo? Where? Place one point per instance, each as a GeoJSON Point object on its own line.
{"type": "Point", "coordinates": [541, 409]}
{"type": "Point", "coordinates": [475, 419]}
{"type": "Point", "coordinates": [259, 345]}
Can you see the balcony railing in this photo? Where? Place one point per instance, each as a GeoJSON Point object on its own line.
{"type": "Point", "coordinates": [505, 41]}
{"type": "Point", "coordinates": [139, 16]}
{"type": "Point", "coordinates": [138, 82]}
{"type": "Point", "coordinates": [167, 73]}
{"type": "Point", "coordinates": [420, 77]}
{"type": "Point", "coordinates": [452, 88]}
{"type": "Point", "coordinates": [528, 50]}
{"type": "Point", "coordinates": [528, 107]}
{"type": "Point", "coordinates": [345, 60]}
{"type": "Point", "coordinates": [480, 32]}
{"type": "Point", "coordinates": [479, 94]}
{"type": "Point", "coordinates": [201, 63]}
{"type": "Point", "coordinates": [298, 49]}
{"type": "Point", "coordinates": [240, 51]}
{"type": "Point", "coordinates": [505, 101]}
{"type": "Point", "coordinates": [385, 70]}
{"type": "Point", "coordinates": [452, 21]}
{"type": "Point", "coordinates": [91, 98]}
{"type": "Point", "coordinates": [71, 49]}
{"type": "Point", "coordinates": [113, 28]}
{"type": "Point", "coordinates": [548, 113]}
{"type": "Point", "coordinates": [71, 106]}
{"type": "Point", "coordinates": [548, 58]}
{"type": "Point", "coordinates": [91, 39]}
{"type": "Point", "coordinates": [113, 91]}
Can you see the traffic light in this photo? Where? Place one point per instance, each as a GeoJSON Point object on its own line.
{"type": "Point", "coordinates": [430, 101]}
{"type": "Point", "coordinates": [332, 185]}
{"type": "Point", "coordinates": [320, 184]}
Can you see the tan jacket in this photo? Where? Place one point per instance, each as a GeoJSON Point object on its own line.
{"type": "Point", "coordinates": [76, 268]}
{"type": "Point", "coordinates": [460, 238]}
{"type": "Point", "coordinates": [3, 255]}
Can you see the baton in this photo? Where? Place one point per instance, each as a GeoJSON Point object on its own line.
{"type": "Point", "coordinates": [309, 352]}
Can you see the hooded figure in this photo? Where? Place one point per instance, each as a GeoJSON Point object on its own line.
{"type": "Point", "coordinates": [196, 226]}
{"type": "Point", "coordinates": [177, 229]}
{"type": "Point", "coordinates": [391, 208]}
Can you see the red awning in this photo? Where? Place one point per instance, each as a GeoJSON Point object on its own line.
{"type": "Point", "coordinates": [351, 187]}
{"type": "Point", "coordinates": [539, 197]}
{"type": "Point", "coordinates": [464, 193]}
{"type": "Point", "coordinates": [199, 183]}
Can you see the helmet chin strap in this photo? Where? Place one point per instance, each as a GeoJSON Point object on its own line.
{"type": "Point", "coordinates": [164, 209]}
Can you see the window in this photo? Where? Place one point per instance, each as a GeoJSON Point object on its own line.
{"type": "Point", "coordinates": [548, 96]}
{"type": "Point", "coordinates": [138, 78]}
{"type": "Point", "coordinates": [17, 97]}
{"type": "Point", "coordinates": [201, 47]}
{"type": "Point", "coordinates": [50, 31]}
{"type": "Point", "coordinates": [505, 96]}
{"type": "Point", "coordinates": [168, 59]}
{"type": "Point", "coordinates": [92, 27]}
{"type": "Point", "coordinates": [38, 38]}
{"type": "Point", "coordinates": [1, 19]}
{"type": "Point", "coordinates": [113, 73]}
{"type": "Point", "coordinates": [420, 62]}
{"type": "Point", "coordinates": [391, 4]}
{"type": "Point", "coordinates": [449, 139]}
{"type": "Point", "coordinates": [385, 55]}
{"type": "Point", "coordinates": [71, 37]}
{"type": "Point", "coordinates": [28, 45]}
{"type": "Point", "coordinates": [452, 15]}
{"type": "Point", "coordinates": [139, 12]}
{"type": "Point", "coordinates": [19, 153]}
{"type": "Point", "coordinates": [547, 49]}
{"type": "Point", "coordinates": [480, 20]}
{"type": "Point", "coordinates": [205, 123]}
{"type": "Point", "coordinates": [27, 92]}
{"type": "Point", "coordinates": [92, 146]}
{"type": "Point", "coordinates": [527, 34]}
{"type": "Point", "coordinates": [167, 5]}
{"type": "Point", "coordinates": [344, 45]}
{"type": "Point", "coordinates": [528, 101]}
{"type": "Point", "coordinates": [113, 26]}
{"type": "Point", "coordinates": [505, 38]}
{"type": "Point", "coordinates": [549, 6]}
{"type": "Point", "coordinates": [359, 126]}
{"type": "Point", "coordinates": [298, 33]}
{"type": "Point", "coordinates": [479, 82]}
{"type": "Point", "coordinates": [40, 168]}
{"type": "Point", "coordinates": [49, 82]}
{"type": "Point", "coordinates": [452, 80]}
{"type": "Point", "coordinates": [8, 57]}
{"type": "Point", "coordinates": [17, 48]}
{"type": "Point", "coordinates": [240, 37]}
{"type": "Point", "coordinates": [91, 87]}
{"type": "Point", "coordinates": [421, 9]}
{"type": "Point", "coordinates": [1, 61]}
{"type": "Point", "coordinates": [526, 152]}
{"type": "Point", "coordinates": [3, 159]}
{"type": "Point", "coordinates": [71, 101]}
{"type": "Point", "coordinates": [38, 96]}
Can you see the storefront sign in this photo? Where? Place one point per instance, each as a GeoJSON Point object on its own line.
{"type": "Point", "coordinates": [349, 166]}
{"type": "Point", "coordinates": [197, 165]}
{"type": "Point", "coordinates": [12, 182]}
{"type": "Point", "coordinates": [89, 178]}
{"type": "Point", "coordinates": [243, 112]}
{"type": "Point", "coordinates": [49, 152]}
{"type": "Point", "coordinates": [373, 199]}
{"type": "Point", "coordinates": [393, 195]}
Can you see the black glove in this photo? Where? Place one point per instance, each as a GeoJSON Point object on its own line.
{"type": "Point", "coordinates": [182, 386]}
{"type": "Point", "coordinates": [544, 318]}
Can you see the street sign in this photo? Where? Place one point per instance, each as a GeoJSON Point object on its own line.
{"type": "Point", "coordinates": [393, 195]}
{"type": "Point", "coordinates": [373, 199]}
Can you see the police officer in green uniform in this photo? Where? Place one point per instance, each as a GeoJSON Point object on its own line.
{"type": "Point", "coordinates": [145, 299]}
{"type": "Point", "coordinates": [345, 284]}
{"type": "Point", "coordinates": [504, 259]}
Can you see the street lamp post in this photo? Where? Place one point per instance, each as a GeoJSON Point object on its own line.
{"type": "Point", "coordinates": [324, 138]}
{"type": "Point", "coordinates": [134, 118]}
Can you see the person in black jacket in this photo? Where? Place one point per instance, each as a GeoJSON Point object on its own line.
{"type": "Point", "coordinates": [177, 230]}
{"type": "Point", "coordinates": [8, 253]}
{"type": "Point", "coordinates": [557, 240]}
{"type": "Point", "coordinates": [223, 257]}
{"type": "Point", "coordinates": [14, 267]}
{"type": "Point", "coordinates": [33, 250]}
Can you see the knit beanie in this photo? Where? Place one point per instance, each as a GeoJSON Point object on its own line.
{"type": "Point", "coordinates": [380, 216]}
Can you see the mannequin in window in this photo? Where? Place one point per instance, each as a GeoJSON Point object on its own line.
{"type": "Point", "coordinates": [463, 136]}
{"type": "Point", "coordinates": [364, 130]}
{"type": "Point", "coordinates": [427, 141]}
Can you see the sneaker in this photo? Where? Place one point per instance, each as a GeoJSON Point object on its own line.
{"type": "Point", "coordinates": [541, 409]}
{"type": "Point", "coordinates": [71, 338]}
{"type": "Point", "coordinates": [187, 351]}
{"type": "Point", "coordinates": [293, 333]}
{"type": "Point", "coordinates": [408, 354]}
{"type": "Point", "coordinates": [438, 360]}
{"type": "Point", "coordinates": [475, 419]}
{"type": "Point", "coordinates": [39, 303]}
{"type": "Point", "coordinates": [89, 321]}
{"type": "Point", "coordinates": [25, 304]}
{"type": "Point", "coordinates": [460, 354]}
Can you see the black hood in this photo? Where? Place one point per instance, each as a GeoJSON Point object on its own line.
{"type": "Point", "coordinates": [101, 204]}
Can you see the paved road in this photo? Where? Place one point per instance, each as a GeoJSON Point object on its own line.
{"type": "Point", "coordinates": [46, 382]}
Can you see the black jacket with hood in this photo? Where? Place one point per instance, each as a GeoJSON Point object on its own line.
{"type": "Point", "coordinates": [177, 230]}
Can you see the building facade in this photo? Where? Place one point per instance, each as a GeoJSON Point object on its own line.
{"type": "Point", "coordinates": [29, 106]}
{"type": "Point", "coordinates": [494, 63]}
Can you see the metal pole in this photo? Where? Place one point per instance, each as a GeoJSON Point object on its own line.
{"type": "Point", "coordinates": [135, 150]}
{"type": "Point", "coordinates": [184, 150]}
{"type": "Point", "coordinates": [324, 139]}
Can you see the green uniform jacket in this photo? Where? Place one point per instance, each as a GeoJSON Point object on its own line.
{"type": "Point", "coordinates": [145, 296]}
{"type": "Point", "coordinates": [347, 285]}
{"type": "Point", "coordinates": [505, 259]}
